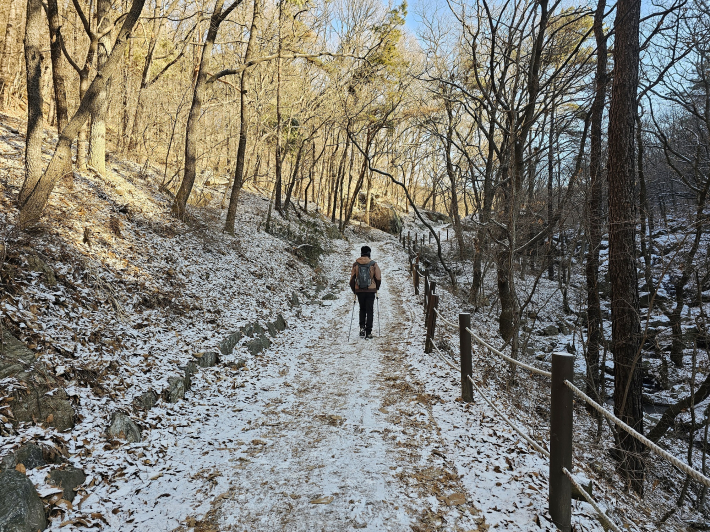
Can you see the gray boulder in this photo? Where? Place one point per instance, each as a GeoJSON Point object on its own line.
{"type": "Point", "coordinates": [146, 400]}
{"type": "Point", "coordinates": [227, 345]}
{"type": "Point", "coordinates": [55, 409]}
{"type": "Point", "coordinates": [29, 455]}
{"type": "Point", "coordinates": [252, 329]}
{"type": "Point", "coordinates": [175, 390]}
{"type": "Point", "coordinates": [207, 359]}
{"type": "Point", "coordinates": [271, 327]}
{"type": "Point", "coordinates": [124, 428]}
{"type": "Point", "coordinates": [190, 370]}
{"type": "Point", "coordinates": [21, 509]}
{"type": "Point", "coordinates": [330, 296]}
{"type": "Point", "coordinates": [550, 330]}
{"type": "Point", "coordinates": [38, 265]}
{"type": "Point", "coordinates": [294, 301]}
{"type": "Point", "coordinates": [280, 323]}
{"type": "Point", "coordinates": [44, 403]}
{"type": "Point", "coordinates": [68, 479]}
{"type": "Point", "coordinates": [257, 345]}
{"type": "Point", "coordinates": [17, 360]}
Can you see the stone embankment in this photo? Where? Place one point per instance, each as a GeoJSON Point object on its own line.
{"type": "Point", "coordinates": [33, 394]}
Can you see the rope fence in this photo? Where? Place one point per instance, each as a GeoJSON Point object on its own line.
{"type": "Point", "coordinates": [539, 448]}
{"type": "Point", "coordinates": [607, 523]}
{"type": "Point", "coordinates": [443, 357]}
{"type": "Point", "coordinates": [531, 369]}
{"type": "Point", "coordinates": [447, 322]}
{"type": "Point", "coordinates": [685, 468]}
{"type": "Point", "coordinates": [562, 393]}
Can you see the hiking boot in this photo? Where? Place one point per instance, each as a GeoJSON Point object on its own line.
{"type": "Point", "coordinates": [362, 331]}
{"type": "Point", "coordinates": [368, 336]}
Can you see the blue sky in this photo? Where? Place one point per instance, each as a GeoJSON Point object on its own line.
{"type": "Point", "coordinates": [414, 7]}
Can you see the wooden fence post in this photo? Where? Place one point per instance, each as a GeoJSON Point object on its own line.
{"type": "Point", "coordinates": [427, 321]}
{"type": "Point", "coordinates": [465, 351]}
{"type": "Point", "coordinates": [560, 496]}
{"type": "Point", "coordinates": [416, 276]}
{"type": "Point", "coordinates": [426, 286]}
{"type": "Point", "coordinates": [432, 290]}
{"type": "Point", "coordinates": [431, 331]}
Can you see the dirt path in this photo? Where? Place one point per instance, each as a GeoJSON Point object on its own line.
{"type": "Point", "coordinates": [316, 434]}
{"type": "Point", "coordinates": [347, 443]}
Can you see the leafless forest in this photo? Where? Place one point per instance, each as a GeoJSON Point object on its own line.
{"type": "Point", "coordinates": [566, 147]}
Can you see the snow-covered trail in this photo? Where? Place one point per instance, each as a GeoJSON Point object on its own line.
{"type": "Point", "coordinates": [317, 434]}
{"type": "Point", "coordinates": [336, 443]}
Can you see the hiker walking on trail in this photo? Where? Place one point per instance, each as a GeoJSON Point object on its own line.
{"type": "Point", "coordinates": [365, 280]}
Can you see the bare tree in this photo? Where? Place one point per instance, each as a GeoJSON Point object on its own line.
{"type": "Point", "coordinates": [37, 193]}
{"type": "Point", "coordinates": [35, 117]}
{"type": "Point", "coordinates": [218, 16]}
{"type": "Point", "coordinates": [622, 247]}
{"type": "Point", "coordinates": [244, 80]}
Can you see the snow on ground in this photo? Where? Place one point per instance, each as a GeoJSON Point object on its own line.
{"type": "Point", "coordinates": [318, 432]}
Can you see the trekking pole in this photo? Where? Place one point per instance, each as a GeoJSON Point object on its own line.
{"type": "Point", "coordinates": [352, 315]}
{"type": "Point", "coordinates": [379, 329]}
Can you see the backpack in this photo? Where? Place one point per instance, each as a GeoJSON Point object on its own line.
{"type": "Point", "coordinates": [363, 275]}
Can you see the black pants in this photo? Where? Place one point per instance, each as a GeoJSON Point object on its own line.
{"type": "Point", "coordinates": [367, 304]}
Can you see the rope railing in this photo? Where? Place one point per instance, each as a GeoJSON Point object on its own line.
{"type": "Point", "coordinates": [447, 322]}
{"type": "Point", "coordinates": [561, 404]}
{"type": "Point", "coordinates": [523, 365]}
{"type": "Point", "coordinates": [539, 448]}
{"type": "Point", "coordinates": [608, 523]}
{"type": "Point", "coordinates": [443, 357]}
{"type": "Point", "coordinates": [685, 468]}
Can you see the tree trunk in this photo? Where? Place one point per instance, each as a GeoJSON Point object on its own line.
{"type": "Point", "coordinates": [339, 178]}
{"type": "Point", "coordinates": [35, 118]}
{"type": "Point", "coordinates": [138, 116]}
{"type": "Point", "coordinates": [97, 136]}
{"type": "Point", "coordinates": [622, 250]}
{"type": "Point", "coordinates": [594, 208]}
{"type": "Point", "coordinates": [7, 72]}
{"type": "Point", "coordinates": [646, 238]}
{"type": "Point", "coordinates": [60, 92]}
{"type": "Point", "coordinates": [484, 218]}
{"type": "Point", "coordinates": [294, 176]}
{"type": "Point", "coordinates": [188, 179]}
{"type": "Point", "coordinates": [125, 89]}
{"type": "Point", "coordinates": [550, 177]}
{"type": "Point", "coordinates": [31, 209]}
{"type": "Point", "coordinates": [245, 79]}
{"type": "Point", "coordinates": [277, 196]}
{"type": "Point", "coordinates": [82, 143]}
{"type": "Point", "coordinates": [458, 229]}
{"type": "Point", "coordinates": [509, 319]}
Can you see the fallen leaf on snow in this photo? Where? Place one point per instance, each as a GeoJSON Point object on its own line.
{"type": "Point", "coordinates": [455, 499]}
{"type": "Point", "coordinates": [323, 500]}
